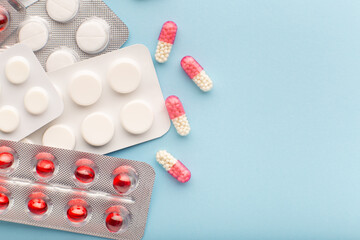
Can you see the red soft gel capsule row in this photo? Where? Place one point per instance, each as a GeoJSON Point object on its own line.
{"type": "Point", "coordinates": [74, 191]}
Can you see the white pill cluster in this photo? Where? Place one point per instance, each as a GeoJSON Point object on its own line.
{"type": "Point", "coordinates": [182, 125]}
{"type": "Point", "coordinates": [28, 99]}
{"type": "Point", "coordinates": [203, 81]}
{"type": "Point", "coordinates": [165, 159]}
{"type": "Point", "coordinates": [163, 51]}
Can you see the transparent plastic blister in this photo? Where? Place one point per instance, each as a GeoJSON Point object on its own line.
{"type": "Point", "coordinates": [12, 13]}
{"type": "Point", "coordinates": [115, 209]}
{"type": "Point", "coordinates": [87, 27]}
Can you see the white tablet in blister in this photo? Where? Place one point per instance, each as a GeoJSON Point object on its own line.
{"type": "Point", "coordinates": [112, 101]}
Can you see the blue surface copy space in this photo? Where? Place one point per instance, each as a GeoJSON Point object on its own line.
{"type": "Point", "coordinates": [275, 147]}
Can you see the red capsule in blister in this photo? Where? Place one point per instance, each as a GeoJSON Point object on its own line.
{"type": "Point", "coordinates": [4, 19]}
{"type": "Point", "coordinates": [45, 168]}
{"type": "Point", "coordinates": [6, 160]}
{"type": "Point", "coordinates": [114, 222]}
{"type": "Point", "coordinates": [84, 174]}
{"type": "Point", "coordinates": [125, 179]}
{"type": "Point", "coordinates": [4, 201]}
{"type": "Point", "coordinates": [77, 213]}
{"type": "Point", "coordinates": [122, 183]}
{"type": "Point", "coordinates": [37, 206]}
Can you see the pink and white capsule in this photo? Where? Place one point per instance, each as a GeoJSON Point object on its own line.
{"type": "Point", "coordinates": [177, 115]}
{"type": "Point", "coordinates": [166, 41]}
{"type": "Point", "coordinates": [197, 73]}
{"type": "Point", "coordinates": [173, 166]}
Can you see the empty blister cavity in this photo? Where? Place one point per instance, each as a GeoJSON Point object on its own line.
{"type": "Point", "coordinates": [62, 10]}
{"type": "Point", "coordinates": [61, 58]}
{"type": "Point", "coordinates": [124, 76]}
{"type": "Point", "coordinates": [85, 89]}
{"type": "Point", "coordinates": [17, 70]}
{"type": "Point", "coordinates": [34, 33]}
{"type": "Point", "coordinates": [137, 117]}
{"type": "Point", "coordinates": [59, 136]}
{"type": "Point", "coordinates": [8, 160]}
{"type": "Point", "coordinates": [36, 100]}
{"type": "Point", "coordinates": [93, 35]}
{"type": "Point", "coordinates": [9, 119]}
{"type": "Point", "coordinates": [97, 129]}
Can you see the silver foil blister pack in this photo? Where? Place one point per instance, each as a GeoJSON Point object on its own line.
{"type": "Point", "coordinates": [12, 13]}
{"type": "Point", "coordinates": [54, 188]}
{"type": "Point", "coordinates": [94, 29]}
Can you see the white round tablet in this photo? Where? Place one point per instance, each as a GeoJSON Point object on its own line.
{"type": "Point", "coordinates": [9, 119]}
{"type": "Point", "coordinates": [60, 58]}
{"type": "Point", "coordinates": [34, 33]}
{"type": "Point", "coordinates": [36, 100]}
{"type": "Point", "coordinates": [93, 35]}
{"type": "Point", "coordinates": [124, 76]}
{"type": "Point", "coordinates": [62, 10]}
{"type": "Point", "coordinates": [85, 89]}
{"type": "Point", "coordinates": [59, 136]}
{"type": "Point", "coordinates": [137, 117]}
{"type": "Point", "coordinates": [17, 70]}
{"type": "Point", "coordinates": [97, 129]}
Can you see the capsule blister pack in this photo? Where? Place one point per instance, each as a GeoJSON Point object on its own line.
{"type": "Point", "coordinates": [108, 106]}
{"type": "Point", "coordinates": [28, 100]}
{"type": "Point", "coordinates": [12, 13]}
{"type": "Point", "coordinates": [62, 32]}
{"type": "Point", "coordinates": [74, 191]}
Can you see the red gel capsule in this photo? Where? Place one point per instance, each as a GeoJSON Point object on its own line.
{"type": "Point", "coordinates": [77, 213]}
{"type": "Point", "coordinates": [6, 160]}
{"type": "Point", "coordinates": [45, 168]}
{"type": "Point", "coordinates": [122, 183]}
{"type": "Point", "coordinates": [4, 19]}
{"type": "Point", "coordinates": [4, 201]}
{"type": "Point", "coordinates": [114, 222]}
{"type": "Point", "coordinates": [85, 174]}
{"type": "Point", "coordinates": [37, 206]}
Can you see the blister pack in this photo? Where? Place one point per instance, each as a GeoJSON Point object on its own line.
{"type": "Point", "coordinates": [112, 101]}
{"type": "Point", "coordinates": [12, 13]}
{"type": "Point", "coordinates": [74, 191]}
{"type": "Point", "coordinates": [28, 100]}
{"type": "Point", "coordinates": [61, 32]}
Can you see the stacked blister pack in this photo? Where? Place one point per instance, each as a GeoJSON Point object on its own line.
{"type": "Point", "coordinates": [94, 99]}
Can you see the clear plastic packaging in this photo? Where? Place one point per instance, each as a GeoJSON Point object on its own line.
{"type": "Point", "coordinates": [87, 27]}
{"type": "Point", "coordinates": [12, 13]}
{"type": "Point", "coordinates": [62, 202]}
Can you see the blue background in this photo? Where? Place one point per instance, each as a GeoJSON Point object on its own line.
{"type": "Point", "coordinates": [274, 148]}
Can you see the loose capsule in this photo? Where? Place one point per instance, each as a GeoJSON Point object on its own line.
{"type": "Point", "coordinates": [166, 41]}
{"type": "Point", "coordinates": [177, 115]}
{"type": "Point", "coordinates": [196, 73]}
{"type": "Point", "coordinates": [173, 166]}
